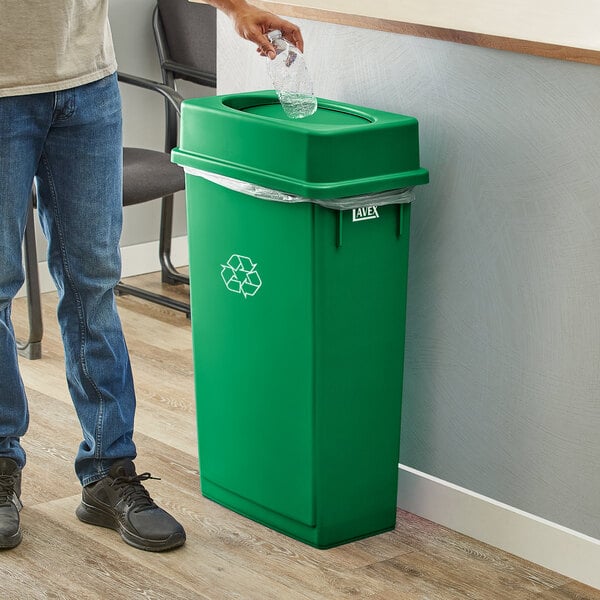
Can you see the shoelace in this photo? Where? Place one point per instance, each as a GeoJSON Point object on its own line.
{"type": "Point", "coordinates": [7, 488]}
{"type": "Point", "coordinates": [130, 488]}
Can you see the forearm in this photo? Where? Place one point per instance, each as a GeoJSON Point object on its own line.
{"type": "Point", "coordinates": [253, 23]}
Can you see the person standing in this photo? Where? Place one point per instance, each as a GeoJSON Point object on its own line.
{"type": "Point", "coordinates": [60, 125]}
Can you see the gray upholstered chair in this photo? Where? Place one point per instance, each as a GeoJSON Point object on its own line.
{"type": "Point", "coordinates": [148, 175]}
{"type": "Point", "coordinates": [185, 35]}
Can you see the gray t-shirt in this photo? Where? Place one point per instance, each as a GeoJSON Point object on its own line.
{"type": "Point", "coordinates": [50, 45]}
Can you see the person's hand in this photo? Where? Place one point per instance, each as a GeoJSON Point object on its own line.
{"type": "Point", "coordinates": [253, 24]}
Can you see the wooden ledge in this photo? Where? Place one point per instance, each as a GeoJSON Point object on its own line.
{"type": "Point", "coordinates": [555, 51]}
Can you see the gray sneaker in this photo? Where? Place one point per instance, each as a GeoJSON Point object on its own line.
{"type": "Point", "coordinates": [10, 503]}
{"type": "Point", "coordinates": [120, 502]}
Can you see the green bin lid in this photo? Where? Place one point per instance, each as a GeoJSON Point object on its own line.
{"type": "Point", "coordinates": [341, 150]}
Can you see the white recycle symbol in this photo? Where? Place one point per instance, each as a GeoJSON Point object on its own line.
{"type": "Point", "coordinates": [240, 275]}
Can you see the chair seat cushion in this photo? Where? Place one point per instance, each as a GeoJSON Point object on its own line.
{"type": "Point", "coordinates": [149, 174]}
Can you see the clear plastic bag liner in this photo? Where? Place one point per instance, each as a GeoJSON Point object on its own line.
{"type": "Point", "coordinates": [397, 196]}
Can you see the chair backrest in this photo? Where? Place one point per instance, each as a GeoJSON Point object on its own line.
{"type": "Point", "coordinates": [186, 38]}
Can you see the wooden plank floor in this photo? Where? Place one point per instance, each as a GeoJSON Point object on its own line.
{"type": "Point", "coordinates": [226, 556]}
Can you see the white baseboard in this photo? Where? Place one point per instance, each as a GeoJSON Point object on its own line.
{"type": "Point", "coordinates": [137, 260]}
{"type": "Point", "coordinates": [553, 546]}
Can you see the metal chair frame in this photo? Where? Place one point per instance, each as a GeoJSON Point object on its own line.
{"type": "Point", "coordinates": [171, 71]}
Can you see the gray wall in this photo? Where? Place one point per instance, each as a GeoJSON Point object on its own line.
{"type": "Point", "coordinates": [502, 379]}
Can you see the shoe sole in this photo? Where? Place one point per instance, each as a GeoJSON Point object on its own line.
{"type": "Point", "coordinates": [95, 516]}
{"type": "Point", "coordinates": [11, 542]}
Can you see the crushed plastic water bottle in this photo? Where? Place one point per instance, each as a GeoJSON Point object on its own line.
{"type": "Point", "coordinates": [290, 78]}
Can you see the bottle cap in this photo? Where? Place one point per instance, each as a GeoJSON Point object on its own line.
{"type": "Point", "coordinates": [273, 35]}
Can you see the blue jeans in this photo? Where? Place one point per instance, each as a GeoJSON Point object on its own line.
{"type": "Point", "coordinates": [70, 142]}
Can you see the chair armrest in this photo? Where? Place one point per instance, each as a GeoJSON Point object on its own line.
{"type": "Point", "coordinates": [174, 98]}
{"type": "Point", "coordinates": [191, 73]}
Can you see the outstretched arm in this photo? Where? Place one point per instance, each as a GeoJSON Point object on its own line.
{"type": "Point", "coordinates": [253, 24]}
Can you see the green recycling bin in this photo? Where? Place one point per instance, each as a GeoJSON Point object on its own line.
{"type": "Point", "coordinates": [298, 234]}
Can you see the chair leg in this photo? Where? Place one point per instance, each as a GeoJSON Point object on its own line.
{"type": "Point", "coordinates": [32, 347]}
{"type": "Point", "coordinates": [122, 289]}
{"type": "Point", "coordinates": [169, 274]}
